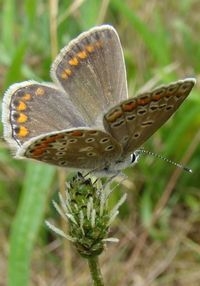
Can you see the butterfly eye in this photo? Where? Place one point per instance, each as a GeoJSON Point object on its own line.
{"type": "Point", "coordinates": [134, 157]}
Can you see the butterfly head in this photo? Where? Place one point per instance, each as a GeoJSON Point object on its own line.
{"type": "Point", "coordinates": [116, 167]}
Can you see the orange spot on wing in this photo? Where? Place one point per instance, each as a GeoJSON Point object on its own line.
{"type": "Point", "coordinates": [82, 54]}
{"type": "Point", "coordinates": [40, 91]}
{"type": "Point", "coordinates": [38, 152]}
{"type": "Point", "coordinates": [26, 96]}
{"type": "Point", "coordinates": [129, 106]}
{"type": "Point", "coordinates": [66, 73]}
{"type": "Point", "coordinates": [90, 48]}
{"type": "Point", "coordinates": [98, 44]}
{"type": "Point", "coordinates": [22, 131]}
{"type": "Point", "coordinates": [143, 100]}
{"type": "Point", "coordinates": [22, 118]}
{"type": "Point", "coordinates": [76, 133]}
{"type": "Point", "coordinates": [21, 106]}
{"type": "Point", "coordinates": [53, 138]}
{"type": "Point", "coordinates": [73, 61]}
{"type": "Point", "coordinates": [43, 146]}
{"type": "Point", "coordinates": [156, 97]}
{"type": "Point", "coordinates": [114, 115]}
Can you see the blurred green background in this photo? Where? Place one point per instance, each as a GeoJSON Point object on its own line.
{"type": "Point", "coordinates": [159, 224]}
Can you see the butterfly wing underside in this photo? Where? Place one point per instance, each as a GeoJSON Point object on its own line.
{"type": "Point", "coordinates": [76, 148]}
{"type": "Point", "coordinates": [61, 123]}
{"type": "Point", "coordinates": [133, 121]}
{"type": "Point", "coordinates": [31, 109]}
{"type": "Point", "coordinates": [91, 70]}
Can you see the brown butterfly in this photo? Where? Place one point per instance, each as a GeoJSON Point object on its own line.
{"type": "Point", "coordinates": [85, 119]}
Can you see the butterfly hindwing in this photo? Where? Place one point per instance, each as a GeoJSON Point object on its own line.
{"type": "Point", "coordinates": [75, 148]}
{"type": "Point", "coordinates": [133, 121]}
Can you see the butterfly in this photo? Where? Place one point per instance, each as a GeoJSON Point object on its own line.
{"type": "Point", "coordinates": [84, 119]}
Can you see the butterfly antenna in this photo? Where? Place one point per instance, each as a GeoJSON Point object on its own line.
{"type": "Point", "coordinates": [142, 151]}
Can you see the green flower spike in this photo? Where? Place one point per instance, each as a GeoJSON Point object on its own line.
{"type": "Point", "coordinates": [85, 207]}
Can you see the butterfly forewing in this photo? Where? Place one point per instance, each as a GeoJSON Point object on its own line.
{"type": "Point", "coordinates": [31, 108]}
{"type": "Point", "coordinates": [133, 121]}
{"type": "Point", "coordinates": [91, 69]}
{"type": "Point", "coordinates": [75, 148]}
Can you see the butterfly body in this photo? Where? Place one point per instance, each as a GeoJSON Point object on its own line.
{"type": "Point", "coordinates": [85, 120]}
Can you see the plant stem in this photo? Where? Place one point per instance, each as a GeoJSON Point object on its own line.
{"type": "Point", "coordinates": [95, 271]}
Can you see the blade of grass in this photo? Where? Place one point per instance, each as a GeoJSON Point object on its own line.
{"type": "Point", "coordinates": [14, 72]}
{"type": "Point", "coordinates": [186, 118]}
{"type": "Point", "coordinates": [27, 222]}
{"type": "Point", "coordinates": [156, 47]}
{"type": "Point", "coordinates": [8, 24]}
{"type": "Point", "coordinates": [89, 13]}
